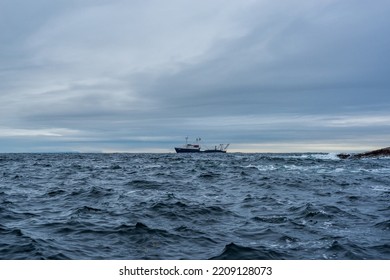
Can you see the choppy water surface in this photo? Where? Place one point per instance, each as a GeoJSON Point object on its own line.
{"type": "Point", "coordinates": [201, 206]}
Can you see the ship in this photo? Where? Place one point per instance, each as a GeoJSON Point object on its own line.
{"type": "Point", "coordinates": [196, 148]}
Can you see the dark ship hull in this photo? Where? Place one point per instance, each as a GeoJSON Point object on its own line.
{"type": "Point", "coordinates": [213, 151]}
{"type": "Point", "coordinates": [184, 150]}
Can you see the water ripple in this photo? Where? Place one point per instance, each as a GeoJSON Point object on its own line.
{"type": "Point", "coordinates": [174, 206]}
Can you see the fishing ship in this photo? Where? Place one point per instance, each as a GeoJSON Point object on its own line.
{"type": "Point", "coordinates": [196, 148]}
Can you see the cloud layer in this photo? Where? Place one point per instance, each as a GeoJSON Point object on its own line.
{"type": "Point", "coordinates": [142, 75]}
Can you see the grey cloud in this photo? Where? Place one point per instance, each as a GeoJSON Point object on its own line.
{"type": "Point", "coordinates": [312, 62]}
{"type": "Point", "coordinates": [142, 71]}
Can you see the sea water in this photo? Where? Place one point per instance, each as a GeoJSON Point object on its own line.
{"type": "Point", "coordinates": [193, 206]}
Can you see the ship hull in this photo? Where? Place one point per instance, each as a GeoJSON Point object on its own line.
{"type": "Point", "coordinates": [184, 150]}
{"type": "Point", "coordinates": [214, 151]}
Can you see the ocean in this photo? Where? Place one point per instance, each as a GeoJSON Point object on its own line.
{"type": "Point", "coordinates": [193, 206]}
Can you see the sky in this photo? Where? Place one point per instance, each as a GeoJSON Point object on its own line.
{"type": "Point", "coordinates": [141, 75]}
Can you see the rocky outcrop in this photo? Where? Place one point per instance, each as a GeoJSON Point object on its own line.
{"type": "Point", "coordinates": [385, 152]}
{"type": "Point", "coordinates": [344, 156]}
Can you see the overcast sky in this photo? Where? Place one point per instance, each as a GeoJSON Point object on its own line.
{"type": "Point", "coordinates": [141, 75]}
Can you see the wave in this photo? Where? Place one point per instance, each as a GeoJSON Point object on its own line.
{"type": "Point", "coordinates": [323, 156]}
{"type": "Point", "coordinates": [381, 188]}
{"type": "Point", "coordinates": [181, 211]}
{"type": "Point", "coordinates": [16, 244]}
{"type": "Point", "coordinates": [209, 175]}
{"type": "Point", "coordinates": [151, 206]}
{"type": "Point", "coordinates": [269, 167]}
{"type": "Point", "coordinates": [381, 250]}
{"type": "Point", "coordinates": [144, 184]}
{"type": "Point", "coordinates": [385, 225]}
{"type": "Point", "coordinates": [271, 219]}
{"type": "Point", "coordinates": [237, 252]}
{"type": "Point", "coordinates": [314, 214]}
{"type": "Point", "coordinates": [345, 249]}
{"type": "Point", "coordinates": [57, 192]}
{"type": "Point", "coordinates": [86, 210]}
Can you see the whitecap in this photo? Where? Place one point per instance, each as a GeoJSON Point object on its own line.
{"type": "Point", "coordinates": [269, 167]}
{"type": "Point", "coordinates": [380, 188]}
{"type": "Point", "coordinates": [329, 156]}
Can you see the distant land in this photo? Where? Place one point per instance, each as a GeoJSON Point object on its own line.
{"type": "Point", "coordinates": [385, 152]}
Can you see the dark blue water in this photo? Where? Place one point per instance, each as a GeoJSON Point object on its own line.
{"type": "Point", "coordinates": [201, 206]}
